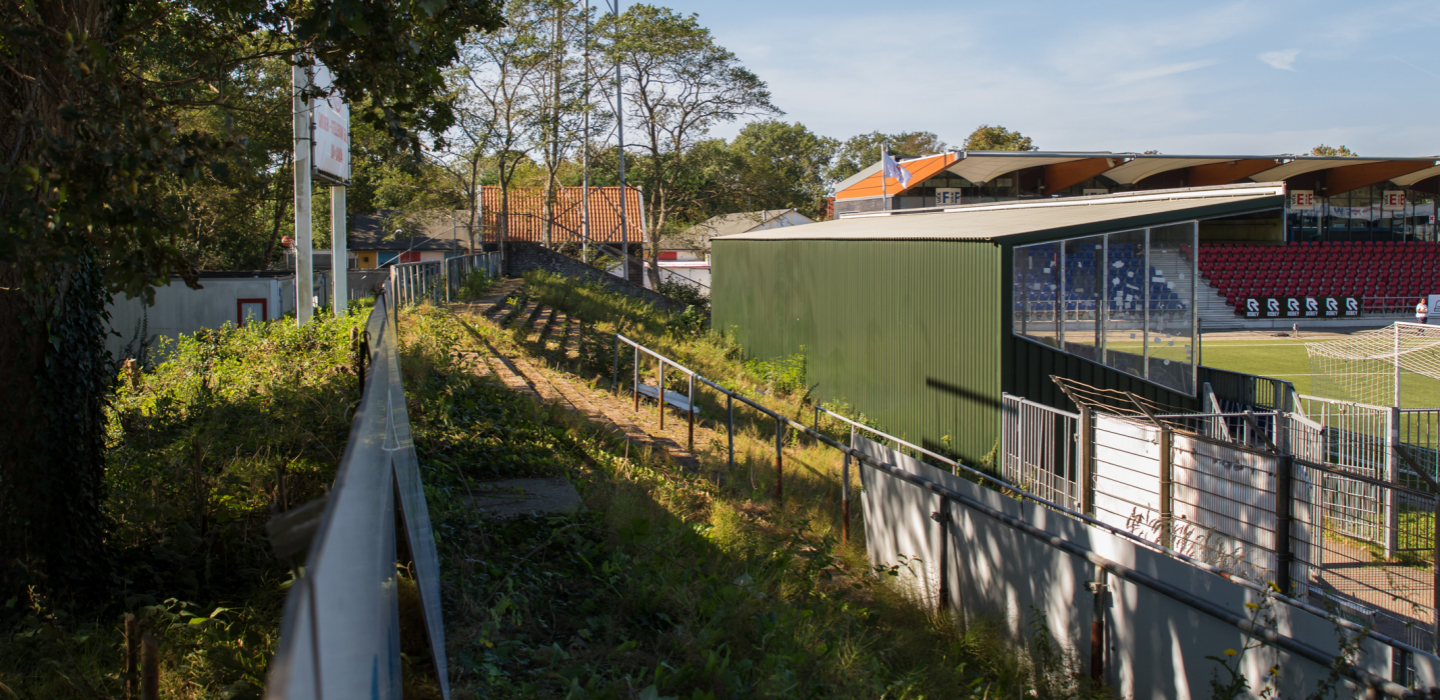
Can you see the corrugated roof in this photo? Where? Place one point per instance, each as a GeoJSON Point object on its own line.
{"type": "Point", "coordinates": [696, 236]}
{"type": "Point", "coordinates": [1040, 219]}
{"type": "Point", "coordinates": [527, 214]}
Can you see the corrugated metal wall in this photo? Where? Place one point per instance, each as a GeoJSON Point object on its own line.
{"type": "Point", "coordinates": [908, 332]}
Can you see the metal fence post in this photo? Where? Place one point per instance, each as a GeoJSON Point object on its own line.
{"type": "Point", "coordinates": [1435, 582]}
{"type": "Point", "coordinates": [942, 517]}
{"type": "Point", "coordinates": [1284, 471]}
{"type": "Point", "coordinates": [635, 386]}
{"type": "Point", "coordinates": [690, 415]}
{"type": "Point", "coordinates": [1087, 460]}
{"type": "Point", "coordinates": [1167, 504]}
{"type": "Point", "coordinates": [1097, 626]}
{"type": "Point", "coordinates": [779, 468]}
{"type": "Point", "coordinates": [845, 491]}
{"type": "Point", "coordinates": [615, 373]}
{"type": "Point", "coordinates": [730, 425]}
{"type": "Point", "coordinates": [660, 394]}
{"type": "Point", "coordinates": [1392, 475]}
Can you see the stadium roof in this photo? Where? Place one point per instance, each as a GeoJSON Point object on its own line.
{"type": "Point", "coordinates": [1067, 168]}
{"type": "Point", "coordinates": [1046, 219]}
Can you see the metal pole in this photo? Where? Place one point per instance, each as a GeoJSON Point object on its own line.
{"type": "Point", "coordinates": [690, 414]}
{"type": "Point", "coordinates": [1097, 626]}
{"type": "Point", "coordinates": [779, 467]}
{"type": "Point", "coordinates": [1283, 518]}
{"type": "Point", "coordinates": [1087, 461]}
{"type": "Point", "coordinates": [845, 491]}
{"type": "Point", "coordinates": [615, 373]}
{"type": "Point", "coordinates": [1397, 365]}
{"type": "Point", "coordinates": [635, 386]}
{"type": "Point", "coordinates": [304, 147]}
{"type": "Point", "coordinates": [620, 151]}
{"type": "Point", "coordinates": [730, 421]}
{"type": "Point", "coordinates": [339, 253]}
{"type": "Point", "coordinates": [585, 152]}
{"type": "Point", "coordinates": [942, 517]}
{"type": "Point", "coordinates": [1167, 505]}
{"type": "Point", "coordinates": [660, 394]}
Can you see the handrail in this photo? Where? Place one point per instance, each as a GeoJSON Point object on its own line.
{"type": "Point", "coordinates": [1289, 644]}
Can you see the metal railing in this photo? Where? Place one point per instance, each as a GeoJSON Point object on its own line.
{"type": "Point", "coordinates": [1287, 643]}
{"type": "Point", "coordinates": [438, 281]}
{"type": "Point", "coordinates": [339, 637]}
{"type": "Point", "coordinates": [1042, 457]}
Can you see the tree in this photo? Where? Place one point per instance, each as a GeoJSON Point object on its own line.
{"type": "Point", "coordinates": [997, 138]}
{"type": "Point", "coordinates": [782, 166]}
{"type": "Point", "coordinates": [862, 151]}
{"type": "Point", "coordinates": [500, 86]}
{"type": "Point", "coordinates": [97, 163]}
{"type": "Point", "coordinates": [678, 84]}
{"type": "Point", "coordinates": [1333, 151]}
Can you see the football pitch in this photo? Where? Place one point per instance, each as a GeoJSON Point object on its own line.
{"type": "Point", "coordinates": [1263, 354]}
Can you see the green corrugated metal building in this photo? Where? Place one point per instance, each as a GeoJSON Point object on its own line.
{"type": "Point", "coordinates": [910, 318]}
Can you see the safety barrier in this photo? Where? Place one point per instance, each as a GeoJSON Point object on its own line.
{"type": "Point", "coordinates": [438, 280]}
{"type": "Point", "coordinates": [340, 636]}
{"type": "Point", "coordinates": [960, 492]}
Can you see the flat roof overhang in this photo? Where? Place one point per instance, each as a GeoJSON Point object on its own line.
{"type": "Point", "coordinates": [1019, 223]}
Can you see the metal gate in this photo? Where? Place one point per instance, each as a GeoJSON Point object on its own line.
{"type": "Point", "coordinates": [1038, 450]}
{"type": "Point", "coordinates": [1357, 438]}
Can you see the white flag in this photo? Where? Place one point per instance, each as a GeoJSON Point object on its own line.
{"type": "Point", "coordinates": [893, 169]}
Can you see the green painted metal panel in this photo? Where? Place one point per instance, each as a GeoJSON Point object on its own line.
{"type": "Point", "coordinates": [909, 333]}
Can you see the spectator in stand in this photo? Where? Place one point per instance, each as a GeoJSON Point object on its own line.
{"type": "Point", "coordinates": [1422, 312]}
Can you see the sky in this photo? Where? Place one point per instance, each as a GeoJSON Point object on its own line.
{"type": "Point", "coordinates": [1257, 77]}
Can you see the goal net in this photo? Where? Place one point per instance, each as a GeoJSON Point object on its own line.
{"type": "Point", "coordinates": [1394, 366]}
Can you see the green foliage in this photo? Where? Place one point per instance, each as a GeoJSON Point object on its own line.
{"type": "Point", "coordinates": [688, 294]}
{"type": "Point", "coordinates": [862, 151]}
{"type": "Point", "coordinates": [199, 448]}
{"type": "Point", "coordinates": [785, 375]}
{"type": "Point", "coordinates": [997, 138]}
{"type": "Point", "coordinates": [475, 285]}
{"type": "Point", "coordinates": [780, 166]}
{"type": "Point", "coordinates": [1333, 151]}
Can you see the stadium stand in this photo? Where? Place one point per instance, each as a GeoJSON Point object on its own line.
{"type": "Point", "coordinates": [1039, 283]}
{"type": "Point", "coordinates": [1389, 275]}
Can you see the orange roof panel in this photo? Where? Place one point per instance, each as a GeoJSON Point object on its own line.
{"type": "Point", "coordinates": [921, 169]}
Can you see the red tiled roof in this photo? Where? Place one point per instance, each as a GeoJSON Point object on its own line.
{"type": "Point", "coordinates": [527, 214]}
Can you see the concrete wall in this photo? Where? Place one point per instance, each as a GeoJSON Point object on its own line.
{"type": "Point", "coordinates": [1156, 646]}
{"type": "Point", "coordinates": [179, 309]}
{"type": "Point", "coordinates": [525, 256]}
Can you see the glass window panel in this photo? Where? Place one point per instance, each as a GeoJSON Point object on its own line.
{"type": "Point", "coordinates": [1172, 290]}
{"type": "Point", "coordinates": [1036, 288]}
{"type": "Point", "coordinates": [1084, 282]}
{"type": "Point", "coordinates": [1124, 303]}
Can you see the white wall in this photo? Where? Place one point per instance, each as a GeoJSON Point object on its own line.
{"type": "Point", "coordinates": [180, 310]}
{"type": "Point", "coordinates": [1156, 646]}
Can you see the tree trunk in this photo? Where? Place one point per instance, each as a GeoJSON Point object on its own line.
{"type": "Point", "coordinates": [54, 372]}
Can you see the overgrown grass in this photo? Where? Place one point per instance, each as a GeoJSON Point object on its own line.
{"type": "Point", "coordinates": [700, 584]}
{"type": "Point", "coordinates": [236, 421]}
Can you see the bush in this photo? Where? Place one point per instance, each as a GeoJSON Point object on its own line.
{"type": "Point", "coordinates": [688, 294]}
{"type": "Point", "coordinates": [785, 375]}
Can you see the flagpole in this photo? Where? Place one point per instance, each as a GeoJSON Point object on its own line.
{"type": "Point", "coordinates": [884, 186]}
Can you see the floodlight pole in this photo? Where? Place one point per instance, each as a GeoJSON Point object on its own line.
{"type": "Point", "coordinates": [620, 137]}
{"type": "Point", "coordinates": [585, 152]}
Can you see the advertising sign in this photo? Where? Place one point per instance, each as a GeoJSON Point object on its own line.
{"type": "Point", "coordinates": [331, 129]}
{"type": "Point", "coordinates": [947, 195]}
{"type": "Point", "coordinates": [1302, 200]}
{"type": "Point", "coordinates": [1392, 200]}
{"type": "Point", "coordinates": [1300, 307]}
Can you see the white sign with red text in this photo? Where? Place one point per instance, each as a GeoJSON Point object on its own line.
{"type": "Point", "coordinates": [1392, 200]}
{"type": "Point", "coordinates": [331, 128]}
{"type": "Point", "coordinates": [1302, 200]}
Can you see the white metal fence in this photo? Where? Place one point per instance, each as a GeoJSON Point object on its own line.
{"type": "Point", "coordinates": [439, 280]}
{"type": "Point", "coordinates": [340, 636]}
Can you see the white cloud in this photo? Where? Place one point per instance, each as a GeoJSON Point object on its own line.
{"type": "Point", "coordinates": [1281, 60]}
